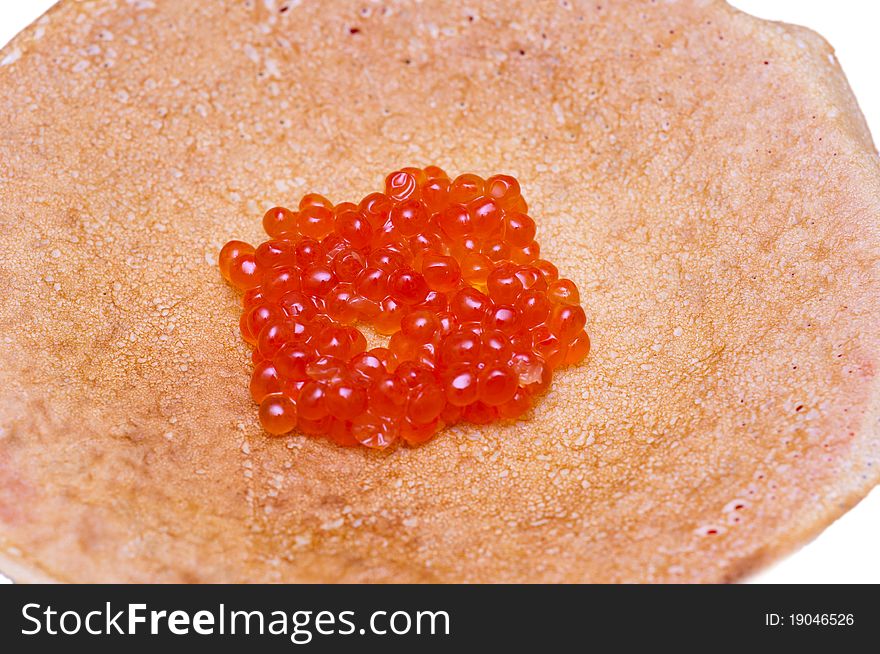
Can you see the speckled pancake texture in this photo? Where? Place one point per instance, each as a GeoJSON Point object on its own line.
{"type": "Point", "coordinates": [706, 179]}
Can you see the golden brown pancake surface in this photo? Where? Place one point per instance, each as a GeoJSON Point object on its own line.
{"type": "Point", "coordinates": [704, 177]}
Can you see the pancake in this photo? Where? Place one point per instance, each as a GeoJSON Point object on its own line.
{"type": "Point", "coordinates": [706, 179]}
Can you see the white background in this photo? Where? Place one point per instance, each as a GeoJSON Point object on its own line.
{"type": "Point", "coordinates": [846, 551]}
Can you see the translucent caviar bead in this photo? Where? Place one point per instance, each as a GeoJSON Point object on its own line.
{"type": "Point", "coordinates": [469, 305]}
{"type": "Point", "coordinates": [311, 403]}
{"type": "Point", "coordinates": [279, 281]}
{"type": "Point", "coordinates": [519, 229]}
{"type": "Point", "coordinates": [292, 360]}
{"type": "Point", "coordinates": [333, 342]}
{"type": "Point", "coordinates": [387, 357]}
{"type": "Point", "coordinates": [418, 433]}
{"type": "Point", "coordinates": [244, 272]}
{"type": "Point", "coordinates": [462, 346]}
{"type": "Point", "coordinates": [550, 272]}
{"type": "Point", "coordinates": [402, 346]}
{"type": "Point", "coordinates": [252, 297]}
{"type": "Point", "coordinates": [387, 259]}
{"type": "Point", "coordinates": [496, 347]}
{"type": "Point", "coordinates": [229, 251]}
{"type": "Point", "coordinates": [546, 344]}
{"type": "Point", "coordinates": [374, 431]}
{"type": "Point", "coordinates": [461, 386]}
{"type": "Point", "coordinates": [415, 374]}
{"type": "Point", "coordinates": [367, 367]}
{"type": "Point", "coordinates": [315, 222]}
{"type": "Point", "coordinates": [475, 268]}
{"type": "Point", "coordinates": [578, 349]}
{"type": "Point", "coordinates": [407, 286]}
{"type": "Point", "coordinates": [261, 315]}
{"type": "Point", "coordinates": [279, 222]}
{"type": "Point", "coordinates": [410, 217]}
{"type": "Point", "coordinates": [338, 303]}
{"type": "Point", "coordinates": [514, 408]}
{"type": "Point", "coordinates": [503, 285]}
{"type": "Point", "coordinates": [273, 336]}
{"type": "Point", "coordinates": [420, 326]}
{"type": "Point", "coordinates": [273, 254]}
{"type": "Point", "coordinates": [420, 175]}
{"type": "Point", "coordinates": [435, 194]}
{"type": "Point", "coordinates": [245, 330]}
{"type": "Point", "coordinates": [497, 250]}
{"type": "Point", "coordinates": [345, 400]}
{"type": "Point", "coordinates": [388, 320]}
{"type": "Point", "coordinates": [401, 186]}
{"type": "Point", "coordinates": [426, 242]}
{"type": "Point", "coordinates": [480, 413]}
{"type": "Point", "coordinates": [434, 302]}
{"type": "Point", "coordinates": [318, 280]}
{"type": "Point", "coordinates": [277, 414]}
{"type": "Point", "coordinates": [366, 310]}
{"type": "Point", "coordinates": [426, 403]}
{"type": "Point", "coordinates": [315, 200]}
{"type": "Point", "coordinates": [486, 215]}
{"type": "Point", "coordinates": [308, 252]}
{"type": "Point", "coordinates": [567, 321]}
{"type": "Point", "coordinates": [435, 171]}
{"type": "Point", "coordinates": [376, 207]}
{"type": "Point", "coordinates": [264, 381]}
{"type": "Point", "coordinates": [455, 221]}
{"type": "Point", "coordinates": [313, 427]}
{"type": "Point", "coordinates": [388, 395]}
{"type": "Point", "coordinates": [327, 369]}
{"type": "Point", "coordinates": [533, 308]}
{"type": "Point", "coordinates": [358, 341]}
{"type": "Point", "coordinates": [532, 279]}
{"type": "Point", "coordinates": [505, 319]}
{"type": "Point", "coordinates": [297, 304]}
{"type": "Point", "coordinates": [441, 273]}
{"type": "Point", "coordinates": [497, 385]}
{"type": "Point", "coordinates": [526, 254]}
{"type": "Point", "coordinates": [354, 228]}
{"type": "Point", "coordinates": [505, 190]}
{"type": "Point", "coordinates": [563, 291]}
{"type": "Point", "coordinates": [372, 283]}
{"type": "Point", "coordinates": [348, 264]}
{"type": "Point", "coordinates": [341, 432]}
{"type": "Point", "coordinates": [465, 188]}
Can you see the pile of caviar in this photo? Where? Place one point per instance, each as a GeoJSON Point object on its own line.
{"type": "Point", "coordinates": [448, 268]}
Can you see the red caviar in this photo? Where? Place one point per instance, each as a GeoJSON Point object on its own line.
{"type": "Point", "coordinates": [448, 268]}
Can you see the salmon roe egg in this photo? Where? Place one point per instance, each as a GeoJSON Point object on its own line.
{"type": "Point", "coordinates": [354, 228]}
{"type": "Point", "coordinates": [505, 190]}
{"type": "Point", "coordinates": [277, 413]}
{"type": "Point", "coordinates": [410, 217]}
{"type": "Point", "coordinates": [465, 188]}
{"type": "Point", "coordinates": [279, 222]}
{"type": "Point", "coordinates": [441, 273]}
{"type": "Point", "coordinates": [315, 221]}
{"type": "Point", "coordinates": [400, 186]}
{"type": "Point", "coordinates": [420, 326]}
{"type": "Point", "coordinates": [519, 229]}
{"type": "Point", "coordinates": [563, 291]}
{"type": "Point", "coordinates": [228, 252]}
{"type": "Point", "coordinates": [407, 286]}
{"type": "Point", "coordinates": [461, 387]}
{"type": "Point", "coordinates": [244, 273]}
{"type": "Point", "coordinates": [448, 269]}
